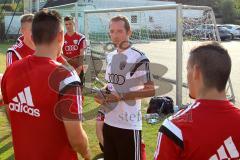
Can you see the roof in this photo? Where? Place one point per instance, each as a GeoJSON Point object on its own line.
{"type": "Point", "coordinates": [54, 3]}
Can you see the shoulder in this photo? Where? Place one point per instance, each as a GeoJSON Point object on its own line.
{"type": "Point", "coordinates": [16, 49]}
{"type": "Point", "coordinates": [137, 51]}
{"type": "Point", "coordinates": [18, 66]}
{"type": "Point", "coordinates": [138, 55]}
{"type": "Point", "coordinates": [174, 126]}
{"type": "Point", "coordinates": [80, 36]}
{"type": "Point", "coordinates": [63, 76]}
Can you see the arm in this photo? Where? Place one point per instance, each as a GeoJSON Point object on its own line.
{"type": "Point", "coordinates": [170, 144]}
{"type": "Point", "coordinates": [99, 131]}
{"type": "Point", "coordinates": [82, 47]}
{"type": "Point", "coordinates": [166, 149]}
{"type": "Point", "coordinates": [1, 98]}
{"type": "Point", "coordinates": [147, 91]}
{"type": "Point", "coordinates": [99, 125]}
{"type": "Point", "coordinates": [76, 134]}
{"type": "Point", "coordinates": [3, 95]}
{"type": "Point", "coordinates": [10, 58]}
{"type": "Point", "coordinates": [77, 138]}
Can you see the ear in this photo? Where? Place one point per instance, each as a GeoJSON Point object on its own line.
{"type": "Point", "coordinates": [129, 33]}
{"type": "Point", "coordinates": [60, 36]}
{"type": "Point", "coordinates": [21, 30]}
{"type": "Point", "coordinates": [196, 72]}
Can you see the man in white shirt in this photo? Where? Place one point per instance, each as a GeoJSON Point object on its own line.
{"type": "Point", "coordinates": [129, 81]}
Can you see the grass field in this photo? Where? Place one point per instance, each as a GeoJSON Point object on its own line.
{"type": "Point", "coordinates": [90, 109]}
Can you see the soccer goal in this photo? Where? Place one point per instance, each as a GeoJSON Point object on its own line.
{"type": "Point", "coordinates": [164, 33]}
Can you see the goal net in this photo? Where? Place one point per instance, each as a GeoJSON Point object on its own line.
{"type": "Point", "coordinates": [164, 33]}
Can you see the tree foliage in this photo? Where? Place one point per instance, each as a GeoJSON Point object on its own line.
{"type": "Point", "coordinates": [228, 11]}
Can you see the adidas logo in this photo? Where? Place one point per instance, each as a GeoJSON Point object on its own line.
{"type": "Point", "coordinates": [228, 146]}
{"type": "Point", "coordinates": [23, 103]}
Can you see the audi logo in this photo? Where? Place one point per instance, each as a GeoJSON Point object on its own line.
{"type": "Point", "coordinates": [71, 48]}
{"type": "Point", "coordinates": [116, 79]}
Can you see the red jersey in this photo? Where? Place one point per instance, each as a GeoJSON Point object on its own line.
{"type": "Point", "coordinates": [20, 39]}
{"type": "Point", "coordinates": [34, 97]}
{"type": "Point", "coordinates": [207, 129]}
{"type": "Point", "coordinates": [73, 44]}
{"type": "Point", "coordinates": [18, 51]}
{"type": "Point", "coordinates": [1, 103]}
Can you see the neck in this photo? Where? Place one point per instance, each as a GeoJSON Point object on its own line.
{"type": "Point", "coordinates": [29, 43]}
{"type": "Point", "coordinates": [49, 51]}
{"type": "Point", "coordinates": [212, 94]}
{"type": "Point", "coordinates": [70, 33]}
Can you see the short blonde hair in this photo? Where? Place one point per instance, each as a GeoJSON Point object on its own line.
{"type": "Point", "coordinates": [27, 18]}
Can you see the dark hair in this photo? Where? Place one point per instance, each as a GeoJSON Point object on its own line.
{"type": "Point", "coordinates": [214, 63]}
{"type": "Point", "coordinates": [26, 18]}
{"type": "Point", "coordinates": [46, 25]}
{"type": "Point", "coordinates": [121, 18]}
{"type": "Point", "coordinates": [68, 18]}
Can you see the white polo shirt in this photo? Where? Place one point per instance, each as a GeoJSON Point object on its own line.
{"type": "Point", "coordinates": [126, 72]}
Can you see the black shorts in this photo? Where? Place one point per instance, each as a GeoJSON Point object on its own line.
{"type": "Point", "coordinates": [121, 144]}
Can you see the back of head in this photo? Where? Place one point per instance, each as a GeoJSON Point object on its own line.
{"type": "Point", "coordinates": [214, 63]}
{"type": "Point", "coordinates": [46, 25]}
{"type": "Point", "coordinates": [26, 18]}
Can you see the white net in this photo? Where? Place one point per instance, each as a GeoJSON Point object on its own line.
{"type": "Point", "coordinates": [154, 33]}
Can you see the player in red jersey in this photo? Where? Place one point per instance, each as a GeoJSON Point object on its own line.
{"type": "Point", "coordinates": [39, 93]}
{"type": "Point", "coordinates": [20, 39]}
{"type": "Point", "coordinates": [209, 128]}
{"type": "Point", "coordinates": [74, 47]}
{"type": "Point", "coordinates": [24, 45]}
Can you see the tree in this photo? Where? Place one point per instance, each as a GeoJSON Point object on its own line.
{"type": "Point", "coordinates": [237, 6]}
{"type": "Point", "coordinates": [215, 4]}
{"type": "Point", "coordinates": [228, 11]}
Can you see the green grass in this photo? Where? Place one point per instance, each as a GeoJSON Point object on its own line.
{"type": "Point", "coordinates": [90, 110]}
{"type": "Point", "coordinates": [3, 49]}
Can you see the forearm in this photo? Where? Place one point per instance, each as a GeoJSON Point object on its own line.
{"type": "Point", "coordinates": [83, 148]}
{"type": "Point", "coordinates": [137, 94]}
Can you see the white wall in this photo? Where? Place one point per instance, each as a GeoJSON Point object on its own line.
{"type": "Point", "coordinates": [15, 25]}
{"type": "Point", "coordinates": [100, 4]}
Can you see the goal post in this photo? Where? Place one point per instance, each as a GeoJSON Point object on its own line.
{"type": "Point", "coordinates": [166, 33]}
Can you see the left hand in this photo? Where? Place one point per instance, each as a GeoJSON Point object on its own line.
{"type": "Point", "coordinates": [107, 98]}
{"type": "Point", "coordinates": [112, 97]}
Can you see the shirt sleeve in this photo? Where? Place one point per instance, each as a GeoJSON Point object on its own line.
{"type": "Point", "coordinates": [70, 102]}
{"type": "Point", "coordinates": [4, 99]}
{"type": "Point", "coordinates": [66, 83]}
{"type": "Point", "coordinates": [170, 142]}
{"type": "Point", "coordinates": [141, 71]}
{"type": "Point", "coordinates": [166, 148]}
{"type": "Point", "coordinates": [82, 43]}
{"type": "Point", "coordinates": [11, 58]}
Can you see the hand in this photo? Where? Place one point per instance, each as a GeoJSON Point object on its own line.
{"type": "Point", "coordinates": [112, 97]}
{"type": "Point", "coordinates": [99, 99]}
{"type": "Point", "coordinates": [105, 98]}
{"type": "Point", "coordinates": [87, 156]}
